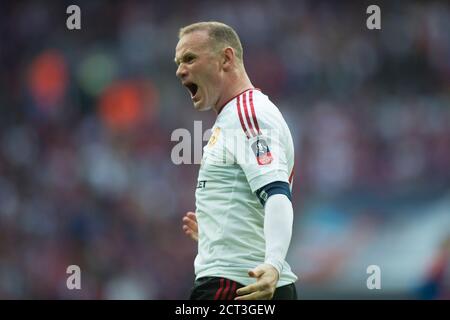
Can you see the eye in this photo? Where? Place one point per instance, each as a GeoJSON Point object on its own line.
{"type": "Point", "coordinates": [189, 59]}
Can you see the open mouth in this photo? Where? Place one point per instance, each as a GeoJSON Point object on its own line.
{"type": "Point", "coordinates": [193, 88]}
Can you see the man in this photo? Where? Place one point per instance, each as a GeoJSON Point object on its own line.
{"type": "Point", "coordinates": [243, 196]}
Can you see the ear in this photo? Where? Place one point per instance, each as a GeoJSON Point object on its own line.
{"type": "Point", "coordinates": [228, 58]}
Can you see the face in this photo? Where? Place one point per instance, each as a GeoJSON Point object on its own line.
{"type": "Point", "coordinates": [199, 69]}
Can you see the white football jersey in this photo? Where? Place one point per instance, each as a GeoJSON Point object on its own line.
{"type": "Point", "coordinates": [250, 147]}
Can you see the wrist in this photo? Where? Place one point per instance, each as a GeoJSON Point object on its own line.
{"type": "Point", "coordinates": [277, 265]}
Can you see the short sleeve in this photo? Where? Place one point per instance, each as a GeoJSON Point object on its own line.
{"type": "Point", "coordinates": [263, 156]}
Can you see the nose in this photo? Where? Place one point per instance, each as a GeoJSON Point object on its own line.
{"type": "Point", "coordinates": [181, 71]}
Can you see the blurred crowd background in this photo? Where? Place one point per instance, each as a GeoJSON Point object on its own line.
{"type": "Point", "coordinates": [86, 118]}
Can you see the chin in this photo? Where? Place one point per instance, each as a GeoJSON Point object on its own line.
{"type": "Point", "coordinates": [201, 107]}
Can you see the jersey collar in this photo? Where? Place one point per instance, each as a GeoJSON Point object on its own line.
{"type": "Point", "coordinates": [222, 107]}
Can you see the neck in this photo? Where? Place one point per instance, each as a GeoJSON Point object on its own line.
{"type": "Point", "coordinates": [236, 84]}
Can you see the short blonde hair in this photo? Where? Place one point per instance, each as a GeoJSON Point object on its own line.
{"type": "Point", "coordinates": [221, 34]}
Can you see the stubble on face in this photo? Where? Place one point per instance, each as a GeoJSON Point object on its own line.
{"type": "Point", "coordinates": [200, 72]}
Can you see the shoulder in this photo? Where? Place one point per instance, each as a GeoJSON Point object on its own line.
{"type": "Point", "coordinates": [252, 112]}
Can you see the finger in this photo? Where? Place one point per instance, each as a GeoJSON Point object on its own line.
{"type": "Point", "coordinates": [252, 296]}
{"type": "Point", "coordinates": [192, 216]}
{"type": "Point", "coordinates": [255, 273]}
{"type": "Point", "coordinates": [191, 224]}
{"type": "Point", "coordinates": [187, 230]}
{"type": "Point", "coordinates": [192, 235]}
{"type": "Point", "coordinates": [186, 219]}
{"type": "Point", "coordinates": [248, 289]}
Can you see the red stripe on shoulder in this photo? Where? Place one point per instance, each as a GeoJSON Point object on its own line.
{"type": "Point", "coordinates": [241, 119]}
{"type": "Point", "coordinates": [255, 120]}
{"type": "Point", "coordinates": [223, 105]}
{"type": "Point", "coordinates": [247, 117]}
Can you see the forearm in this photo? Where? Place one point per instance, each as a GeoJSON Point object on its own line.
{"type": "Point", "coordinates": [278, 222]}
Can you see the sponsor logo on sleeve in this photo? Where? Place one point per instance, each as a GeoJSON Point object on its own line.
{"type": "Point", "coordinates": [262, 152]}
